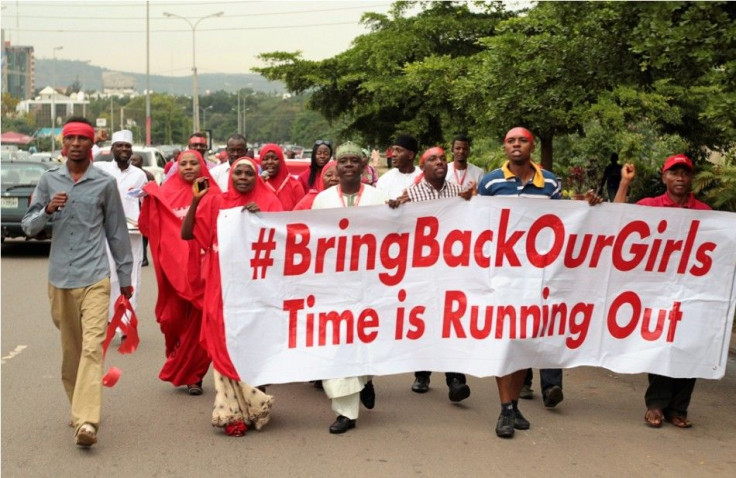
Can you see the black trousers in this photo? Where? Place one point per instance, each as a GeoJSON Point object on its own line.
{"type": "Point", "coordinates": [671, 395]}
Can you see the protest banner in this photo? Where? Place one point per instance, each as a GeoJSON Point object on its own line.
{"type": "Point", "coordinates": [485, 287]}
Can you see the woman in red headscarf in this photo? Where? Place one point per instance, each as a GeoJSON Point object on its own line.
{"type": "Point", "coordinates": [287, 188]}
{"type": "Point", "coordinates": [236, 402]}
{"type": "Point", "coordinates": [328, 178]}
{"type": "Point", "coordinates": [177, 263]}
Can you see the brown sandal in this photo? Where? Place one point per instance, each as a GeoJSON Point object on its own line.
{"type": "Point", "coordinates": [654, 417]}
{"type": "Point", "coordinates": [679, 421]}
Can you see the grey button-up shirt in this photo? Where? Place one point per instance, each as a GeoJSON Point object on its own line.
{"type": "Point", "coordinates": [92, 214]}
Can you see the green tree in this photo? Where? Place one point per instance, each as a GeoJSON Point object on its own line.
{"type": "Point", "coordinates": [378, 87]}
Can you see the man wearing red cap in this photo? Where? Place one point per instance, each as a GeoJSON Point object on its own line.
{"type": "Point", "coordinates": [520, 177]}
{"type": "Point", "coordinates": [85, 206]}
{"type": "Point", "coordinates": [667, 398]}
{"type": "Point", "coordinates": [432, 184]}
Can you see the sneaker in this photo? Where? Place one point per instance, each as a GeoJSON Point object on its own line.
{"type": "Point", "coordinates": [526, 392]}
{"type": "Point", "coordinates": [86, 435]}
{"type": "Point", "coordinates": [420, 385]}
{"type": "Point", "coordinates": [552, 396]}
{"type": "Point", "coordinates": [520, 423]}
{"type": "Point", "coordinates": [458, 391]}
{"type": "Point", "coordinates": [505, 425]}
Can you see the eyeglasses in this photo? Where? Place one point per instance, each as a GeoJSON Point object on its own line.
{"type": "Point", "coordinates": [320, 142]}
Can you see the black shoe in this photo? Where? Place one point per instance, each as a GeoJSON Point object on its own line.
{"type": "Point", "coordinates": [520, 423]}
{"type": "Point", "coordinates": [552, 396]}
{"type": "Point", "coordinates": [420, 385]}
{"type": "Point", "coordinates": [342, 424]}
{"type": "Point", "coordinates": [368, 395]}
{"type": "Point", "coordinates": [505, 425]}
{"type": "Point", "coordinates": [458, 391]}
{"type": "Point", "coordinates": [144, 263]}
{"type": "Point", "coordinates": [195, 388]}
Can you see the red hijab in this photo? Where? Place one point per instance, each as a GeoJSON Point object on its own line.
{"type": "Point", "coordinates": [177, 192]}
{"type": "Point", "coordinates": [288, 189]}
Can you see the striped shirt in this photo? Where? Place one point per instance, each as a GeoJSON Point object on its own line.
{"type": "Point", "coordinates": [502, 182]}
{"type": "Point", "coordinates": [423, 191]}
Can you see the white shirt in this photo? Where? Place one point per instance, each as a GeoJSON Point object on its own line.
{"type": "Point", "coordinates": [127, 179]}
{"type": "Point", "coordinates": [462, 178]}
{"type": "Point", "coordinates": [393, 182]}
{"type": "Point", "coordinates": [330, 198]}
{"type": "Point", "coordinates": [221, 173]}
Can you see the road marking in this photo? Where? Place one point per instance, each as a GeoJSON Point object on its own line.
{"type": "Point", "coordinates": [15, 352]}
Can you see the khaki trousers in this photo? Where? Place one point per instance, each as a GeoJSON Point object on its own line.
{"type": "Point", "coordinates": [81, 317]}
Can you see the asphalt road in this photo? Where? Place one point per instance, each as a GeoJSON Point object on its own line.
{"type": "Point", "coordinates": [152, 429]}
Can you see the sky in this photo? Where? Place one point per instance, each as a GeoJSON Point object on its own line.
{"type": "Point", "coordinates": [112, 34]}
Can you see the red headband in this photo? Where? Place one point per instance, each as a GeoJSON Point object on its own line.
{"type": "Point", "coordinates": [519, 131]}
{"type": "Point", "coordinates": [436, 151]}
{"type": "Point", "coordinates": [78, 129]}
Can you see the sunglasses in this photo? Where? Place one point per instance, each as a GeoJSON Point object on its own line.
{"type": "Point", "coordinates": [320, 142]}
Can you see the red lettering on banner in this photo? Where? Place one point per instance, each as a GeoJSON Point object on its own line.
{"type": "Point", "coordinates": [689, 241]}
{"type": "Point", "coordinates": [637, 250]}
{"type": "Point", "coordinates": [558, 229]}
{"type": "Point", "coordinates": [397, 261]}
{"type": "Point", "coordinates": [530, 321]}
{"type": "Point", "coordinates": [636, 245]}
{"type": "Point", "coordinates": [504, 246]}
{"type": "Point", "coordinates": [601, 242]}
{"type": "Point", "coordinates": [702, 256]}
{"type": "Point", "coordinates": [570, 261]}
{"type": "Point", "coordinates": [297, 255]}
{"type": "Point", "coordinates": [631, 299]}
{"type": "Point", "coordinates": [483, 238]}
{"type": "Point", "coordinates": [324, 244]}
{"type": "Point", "coordinates": [463, 258]}
{"type": "Point", "coordinates": [425, 240]}
{"type": "Point", "coordinates": [365, 327]}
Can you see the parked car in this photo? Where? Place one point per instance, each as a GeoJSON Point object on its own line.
{"type": "Point", "coordinates": [153, 160]}
{"type": "Point", "coordinates": [19, 179]}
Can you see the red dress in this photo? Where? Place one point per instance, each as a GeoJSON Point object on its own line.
{"type": "Point", "coordinates": [205, 236]}
{"type": "Point", "coordinates": [178, 275]}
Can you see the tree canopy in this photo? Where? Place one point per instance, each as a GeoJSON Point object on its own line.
{"type": "Point", "coordinates": [558, 68]}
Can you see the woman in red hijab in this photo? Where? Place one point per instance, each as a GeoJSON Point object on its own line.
{"type": "Point", "coordinates": [328, 178]}
{"type": "Point", "coordinates": [237, 404]}
{"type": "Point", "coordinates": [178, 272]}
{"type": "Point", "coordinates": [287, 188]}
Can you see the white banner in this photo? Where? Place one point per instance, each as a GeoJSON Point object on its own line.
{"type": "Point", "coordinates": [485, 287]}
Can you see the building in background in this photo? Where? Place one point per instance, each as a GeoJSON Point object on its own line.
{"type": "Point", "coordinates": [52, 104]}
{"type": "Point", "coordinates": [17, 70]}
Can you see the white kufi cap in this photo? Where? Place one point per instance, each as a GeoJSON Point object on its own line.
{"type": "Point", "coordinates": [123, 136]}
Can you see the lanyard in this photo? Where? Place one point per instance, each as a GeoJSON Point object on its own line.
{"type": "Point", "coordinates": [459, 181]}
{"type": "Point", "coordinates": [357, 199]}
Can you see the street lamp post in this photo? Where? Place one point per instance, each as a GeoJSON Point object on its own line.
{"type": "Point", "coordinates": [53, 100]}
{"type": "Point", "coordinates": [195, 85]}
{"type": "Point", "coordinates": [204, 115]}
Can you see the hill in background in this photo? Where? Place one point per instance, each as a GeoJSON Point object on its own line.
{"type": "Point", "coordinates": [67, 72]}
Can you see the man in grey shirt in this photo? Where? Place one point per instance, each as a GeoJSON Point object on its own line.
{"type": "Point", "coordinates": [85, 206]}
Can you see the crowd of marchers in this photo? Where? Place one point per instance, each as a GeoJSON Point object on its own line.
{"type": "Point", "coordinates": [103, 214]}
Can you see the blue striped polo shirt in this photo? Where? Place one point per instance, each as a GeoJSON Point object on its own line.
{"type": "Point", "coordinates": [502, 182]}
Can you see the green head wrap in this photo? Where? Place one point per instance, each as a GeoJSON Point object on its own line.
{"type": "Point", "coordinates": [348, 149]}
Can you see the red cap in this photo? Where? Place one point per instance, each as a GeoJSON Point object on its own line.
{"type": "Point", "coordinates": [677, 160]}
